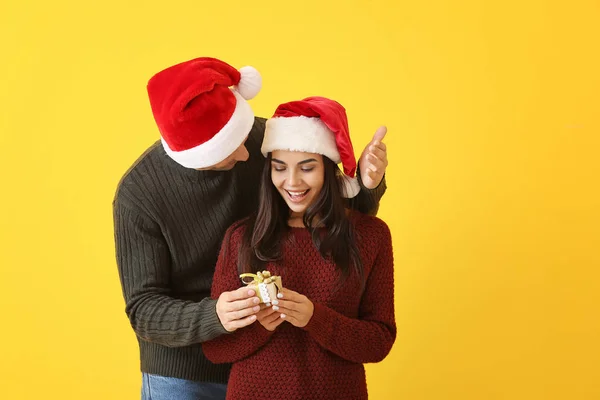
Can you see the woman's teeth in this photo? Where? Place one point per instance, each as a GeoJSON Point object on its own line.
{"type": "Point", "coordinates": [297, 196]}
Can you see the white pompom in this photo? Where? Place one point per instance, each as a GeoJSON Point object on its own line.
{"type": "Point", "coordinates": [350, 186]}
{"type": "Point", "coordinates": [250, 82]}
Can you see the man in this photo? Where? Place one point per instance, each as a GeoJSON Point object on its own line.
{"type": "Point", "coordinates": [172, 208]}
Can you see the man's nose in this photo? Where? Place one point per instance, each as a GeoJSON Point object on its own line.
{"type": "Point", "coordinates": [241, 153]}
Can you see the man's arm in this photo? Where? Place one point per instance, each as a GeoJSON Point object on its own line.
{"type": "Point", "coordinates": [367, 200]}
{"type": "Point", "coordinates": [371, 175]}
{"type": "Point", "coordinates": [144, 263]}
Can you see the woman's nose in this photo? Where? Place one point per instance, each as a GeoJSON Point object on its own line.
{"type": "Point", "coordinates": [294, 178]}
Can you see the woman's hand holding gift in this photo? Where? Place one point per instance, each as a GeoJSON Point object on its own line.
{"type": "Point", "coordinates": [294, 307]}
{"type": "Point", "coordinates": [269, 318]}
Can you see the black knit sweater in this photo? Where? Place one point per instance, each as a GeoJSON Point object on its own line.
{"type": "Point", "coordinates": [169, 224]}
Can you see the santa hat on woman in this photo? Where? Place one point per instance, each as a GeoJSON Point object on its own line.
{"type": "Point", "coordinates": [314, 125]}
{"type": "Point", "coordinates": [201, 110]}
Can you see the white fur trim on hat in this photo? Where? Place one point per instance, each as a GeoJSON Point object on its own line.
{"type": "Point", "coordinates": [350, 186]}
{"type": "Point", "coordinates": [221, 145]}
{"type": "Point", "coordinates": [250, 82]}
{"type": "Point", "coordinates": [306, 134]}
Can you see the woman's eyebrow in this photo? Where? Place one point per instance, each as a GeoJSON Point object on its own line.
{"type": "Point", "coordinates": [306, 161]}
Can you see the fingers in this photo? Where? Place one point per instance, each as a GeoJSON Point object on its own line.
{"type": "Point", "coordinates": [379, 152]}
{"type": "Point", "coordinates": [239, 294]}
{"type": "Point", "coordinates": [297, 313]}
{"type": "Point", "coordinates": [379, 134]}
{"type": "Point", "coordinates": [295, 320]}
{"type": "Point", "coordinates": [289, 300]}
{"type": "Point", "coordinates": [236, 310]}
{"type": "Point", "coordinates": [290, 318]}
{"type": "Point", "coordinates": [265, 313]}
{"type": "Point", "coordinates": [241, 304]}
{"type": "Point", "coordinates": [287, 305]}
{"type": "Point", "coordinates": [269, 318]}
{"type": "Point", "coordinates": [291, 315]}
{"type": "Point", "coordinates": [290, 295]}
{"type": "Point", "coordinates": [271, 325]}
{"type": "Point", "coordinates": [293, 307]}
{"type": "Point", "coordinates": [239, 299]}
{"type": "Point", "coordinates": [375, 164]}
{"type": "Point", "coordinates": [278, 321]}
{"type": "Point", "coordinates": [240, 323]}
{"type": "Point", "coordinates": [374, 156]}
{"type": "Point", "coordinates": [372, 174]}
{"type": "Point", "coordinates": [244, 313]}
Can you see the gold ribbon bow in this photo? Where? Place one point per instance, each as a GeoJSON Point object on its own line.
{"type": "Point", "coordinates": [259, 277]}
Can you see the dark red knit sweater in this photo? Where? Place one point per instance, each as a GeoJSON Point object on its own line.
{"type": "Point", "coordinates": [323, 360]}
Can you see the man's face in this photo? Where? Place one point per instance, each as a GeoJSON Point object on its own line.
{"type": "Point", "coordinates": [240, 154]}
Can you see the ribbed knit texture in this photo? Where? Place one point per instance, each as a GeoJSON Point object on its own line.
{"type": "Point", "coordinates": [323, 360]}
{"type": "Point", "coordinates": [169, 224]}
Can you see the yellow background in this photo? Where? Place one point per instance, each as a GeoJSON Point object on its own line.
{"type": "Point", "coordinates": [493, 198]}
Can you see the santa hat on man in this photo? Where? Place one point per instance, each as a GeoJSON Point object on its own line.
{"type": "Point", "coordinates": [201, 110]}
{"type": "Point", "coordinates": [314, 125]}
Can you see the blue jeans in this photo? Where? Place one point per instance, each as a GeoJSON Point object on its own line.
{"type": "Point", "coordinates": [156, 387]}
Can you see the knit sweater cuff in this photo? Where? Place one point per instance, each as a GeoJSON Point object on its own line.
{"type": "Point", "coordinates": [375, 192]}
{"type": "Point", "coordinates": [211, 323]}
{"type": "Point", "coordinates": [320, 323]}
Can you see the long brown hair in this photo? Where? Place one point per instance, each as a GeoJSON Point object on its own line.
{"type": "Point", "coordinates": [266, 227]}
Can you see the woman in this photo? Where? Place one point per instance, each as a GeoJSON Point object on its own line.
{"type": "Point", "coordinates": [336, 310]}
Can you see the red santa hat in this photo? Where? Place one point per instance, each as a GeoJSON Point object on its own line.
{"type": "Point", "coordinates": [201, 110]}
{"type": "Point", "coordinates": [314, 125]}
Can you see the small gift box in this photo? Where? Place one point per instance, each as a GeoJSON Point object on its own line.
{"type": "Point", "coordinates": [265, 285]}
